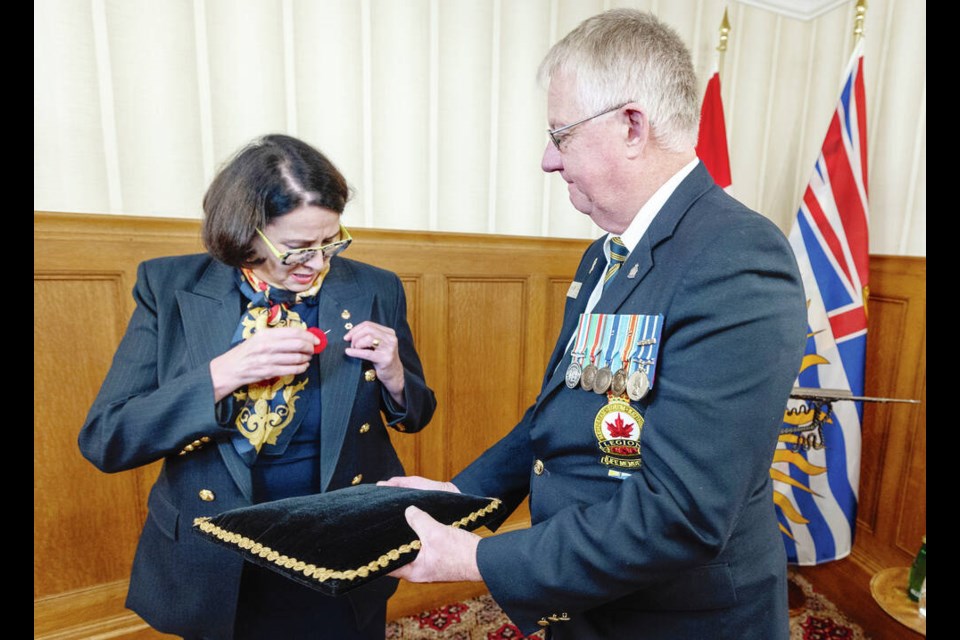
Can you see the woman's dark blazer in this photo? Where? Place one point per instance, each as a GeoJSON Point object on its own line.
{"type": "Point", "coordinates": [157, 403]}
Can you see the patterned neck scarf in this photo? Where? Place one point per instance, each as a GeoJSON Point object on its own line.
{"type": "Point", "coordinates": [269, 406]}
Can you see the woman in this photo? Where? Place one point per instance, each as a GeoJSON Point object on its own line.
{"type": "Point", "coordinates": [217, 375]}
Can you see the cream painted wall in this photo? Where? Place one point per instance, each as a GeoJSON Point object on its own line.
{"type": "Point", "coordinates": [431, 109]}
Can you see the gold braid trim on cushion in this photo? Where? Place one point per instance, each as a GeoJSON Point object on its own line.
{"type": "Point", "coordinates": [322, 574]}
{"type": "Point", "coordinates": [490, 508]}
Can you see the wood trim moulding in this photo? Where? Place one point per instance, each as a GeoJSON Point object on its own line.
{"type": "Point", "coordinates": [53, 225]}
{"type": "Point", "coordinates": [95, 612]}
{"type": "Point", "coordinates": [65, 240]}
{"type": "Point", "coordinates": [56, 225]}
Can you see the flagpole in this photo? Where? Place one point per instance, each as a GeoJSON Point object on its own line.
{"type": "Point", "coordinates": [858, 21]}
{"type": "Point", "coordinates": [722, 47]}
{"type": "Point", "coordinates": [861, 14]}
{"type": "Point", "coordinates": [712, 136]}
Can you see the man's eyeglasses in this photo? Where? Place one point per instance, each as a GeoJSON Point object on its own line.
{"type": "Point", "coordinates": [301, 256]}
{"type": "Point", "coordinates": [559, 139]}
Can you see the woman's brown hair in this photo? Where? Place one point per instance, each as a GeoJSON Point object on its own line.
{"type": "Point", "coordinates": [268, 178]}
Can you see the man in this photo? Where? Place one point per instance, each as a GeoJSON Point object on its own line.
{"type": "Point", "coordinates": [651, 503]}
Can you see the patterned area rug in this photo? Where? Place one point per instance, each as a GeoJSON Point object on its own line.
{"type": "Point", "coordinates": [820, 618]}
{"type": "Point", "coordinates": [481, 619]}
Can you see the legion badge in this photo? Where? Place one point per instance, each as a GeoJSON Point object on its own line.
{"type": "Point", "coordinates": [617, 428]}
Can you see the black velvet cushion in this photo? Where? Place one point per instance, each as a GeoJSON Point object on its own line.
{"type": "Point", "coordinates": [334, 542]}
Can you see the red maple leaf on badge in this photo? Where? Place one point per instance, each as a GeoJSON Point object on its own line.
{"type": "Point", "coordinates": [619, 429]}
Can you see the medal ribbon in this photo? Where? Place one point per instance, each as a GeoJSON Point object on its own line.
{"type": "Point", "coordinates": [613, 342]}
{"type": "Point", "coordinates": [581, 342]}
{"type": "Point", "coordinates": [652, 338]}
{"type": "Point", "coordinates": [635, 356]}
{"type": "Point", "coordinates": [625, 356]}
{"type": "Point", "coordinates": [602, 321]}
{"type": "Point", "coordinates": [647, 345]}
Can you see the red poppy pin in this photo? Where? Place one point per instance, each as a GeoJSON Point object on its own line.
{"type": "Point", "coordinates": [320, 346]}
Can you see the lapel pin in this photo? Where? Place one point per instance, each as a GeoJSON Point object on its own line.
{"type": "Point", "coordinates": [592, 266]}
{"type": "Point", "coordinates": [633, 272]}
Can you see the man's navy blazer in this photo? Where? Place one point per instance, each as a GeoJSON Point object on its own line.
{"type": "Point", "coordinates": [157, 403]}
{"type": "Point", "coordinates": [688, 545]}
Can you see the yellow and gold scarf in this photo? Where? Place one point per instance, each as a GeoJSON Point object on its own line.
{"type": "Point", "coordinates": [268, 406]}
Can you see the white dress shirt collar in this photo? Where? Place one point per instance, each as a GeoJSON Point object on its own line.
{"type": "Point", "coordinates": [641, 222]}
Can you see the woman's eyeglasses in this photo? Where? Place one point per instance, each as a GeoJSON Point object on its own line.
{"type": "Point", "coordinates": [301, 256]}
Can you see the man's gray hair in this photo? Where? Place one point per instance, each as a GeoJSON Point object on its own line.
{"type": "Point", "coordinates": [625, 55]}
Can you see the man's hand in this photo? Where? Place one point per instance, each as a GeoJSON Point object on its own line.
{"type": "Point", "coordinates": [447, 554]}
{"type": "Point", "coordinates": [417, 482]}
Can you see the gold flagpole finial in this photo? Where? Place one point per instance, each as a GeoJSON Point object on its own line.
{"type": "Point", "coordinates": [722, 47]}
{"type": "Point", "coordinates": [858, 21]}
{"type": "Point", "coordinates": [724, 30]}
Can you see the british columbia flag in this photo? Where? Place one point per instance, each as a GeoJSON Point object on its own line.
{"type": "Point", "coordinates": [816, 469]}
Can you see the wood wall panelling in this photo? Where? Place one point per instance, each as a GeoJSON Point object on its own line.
{"type": "Point", "coordinates": [912, 524]}
{"type": "Point", "coordinates": [892, 476]}
{"type": "Point", "coordinates": [484, 364]}
{"type": "Point", "coordinates": [903, 280]}
{"type": "Point", "coordinates": [887, 319]}
{"type": "Point", "coordinates": [558, 299]}
{"type": "Point", "coordinates": [77, 322]}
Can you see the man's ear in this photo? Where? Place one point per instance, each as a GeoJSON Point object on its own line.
{"type": "Point", "coordinates": [638, 131]}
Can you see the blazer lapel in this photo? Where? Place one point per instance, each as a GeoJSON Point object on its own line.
{"type": "Point", "coordinates": [342, 301]}
{"type": "Point", "coordinates": [211, 313]}
{"type": "Point", "coordinates": [640, 261]}
{"type": "Point", "coordinates": [591, 269]}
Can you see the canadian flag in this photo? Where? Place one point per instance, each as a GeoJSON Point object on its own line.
{"type": "Point", "coordinates": [712, 139]}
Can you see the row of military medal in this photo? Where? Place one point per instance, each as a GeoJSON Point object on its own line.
{"type": "Point", "coordinates": [631, 340]}
{"type": "Point", "coordinates": [590, 378]}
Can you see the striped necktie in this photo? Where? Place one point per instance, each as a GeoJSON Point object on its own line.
{"type": "Point", "coordinates": [618, 254]}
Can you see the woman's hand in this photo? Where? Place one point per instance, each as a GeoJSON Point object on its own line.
{"type": "Point", "coordinates": [269, 353]}
{"type": "Point", "coordinates": [379, 345]}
